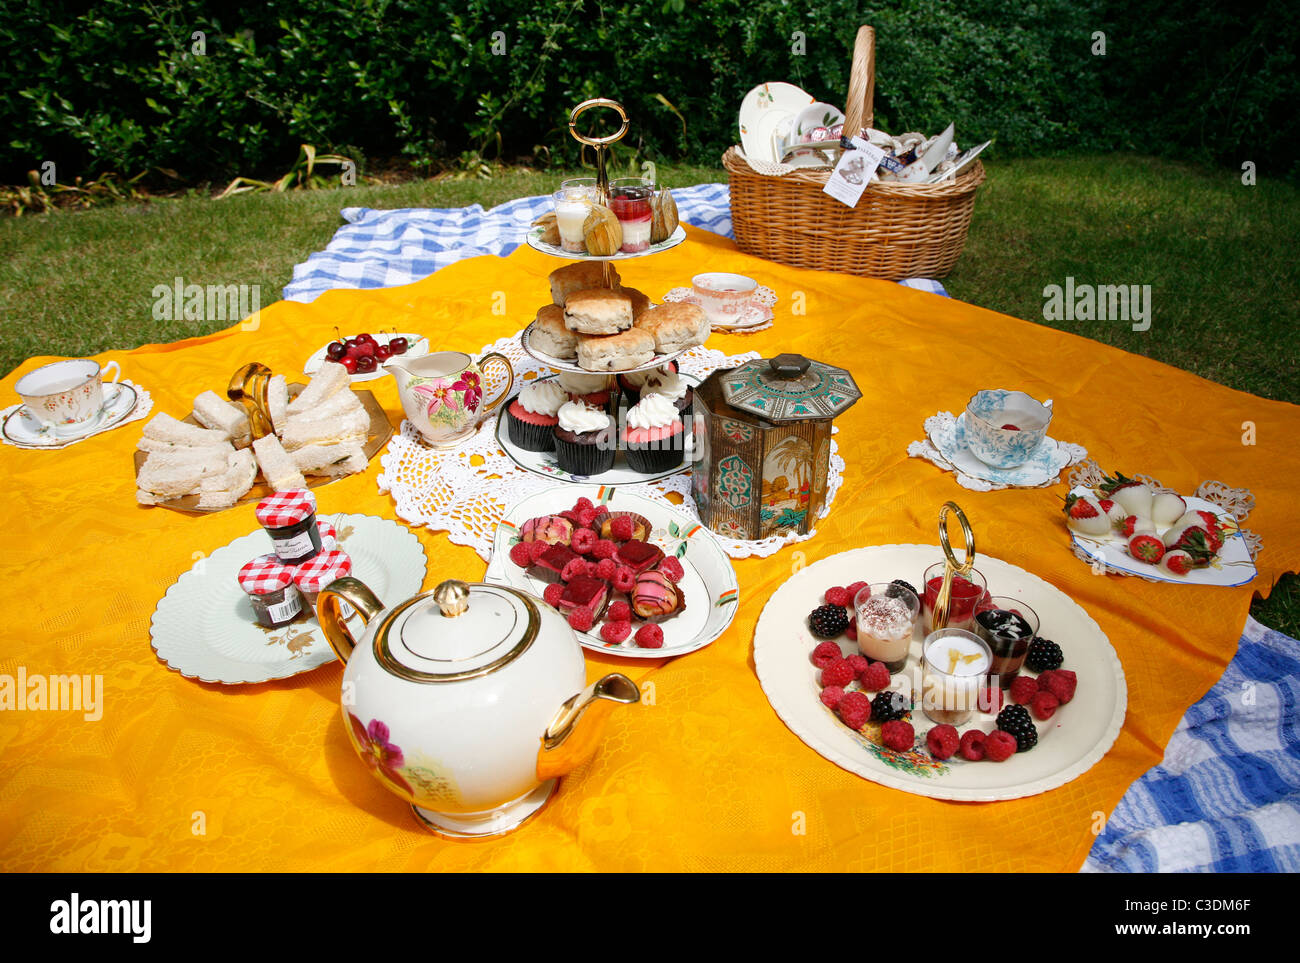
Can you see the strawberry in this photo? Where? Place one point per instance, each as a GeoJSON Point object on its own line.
{"type": "Point", "coordinates": [1193, 539]}
{"type": "Point", "coordinates": [1134, 496]}
{"type": "Point", "coordinates": [1132, 525]}
{"type": "Point", "coordinates": [1146, 548]}
{"type": "Point", "coordinates": [1084, 516]}
{"type": "Point", "coordinates": [1180, 561]}
{"type": "Point", "coordinates": [1080, 506]}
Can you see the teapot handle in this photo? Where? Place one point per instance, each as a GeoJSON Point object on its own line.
{"type": "Point", "coordinates": [329, 610]}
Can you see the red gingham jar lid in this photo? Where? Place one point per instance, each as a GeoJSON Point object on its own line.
{"type": "Point", "coordinates": [285, 508]}
{"type": "Point", "coordinates": [314, 574]}
{"type": "Point", "coordinates": [265, 574]}
{"type": "Point", "coordinates": [329, 536]}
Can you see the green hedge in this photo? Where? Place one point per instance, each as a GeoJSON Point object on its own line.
{"type": "Point", "coordinates": [113, 85]}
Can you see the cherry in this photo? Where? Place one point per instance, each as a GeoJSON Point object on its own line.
{"type": "Point", "coordinates": [335, 350]}
{"type": "Point", "coordinates": [363, 350]}
{"type": "Point", "coordinates": [383, 353]}
{"type": "Point", "coordinates": [367, 339]}
{"type": "Point", "coordinates": [398, 345]}
{"type": "Point", "coordinates": [366, 364]}
{"type": "Point", "coordinates": [349, 363]}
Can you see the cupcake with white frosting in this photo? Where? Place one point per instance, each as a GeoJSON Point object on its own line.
{"type": "Point", "coordinates": [594, 389]}
{"type": "Point", "coordinates": [584, 439]}
{"type": "Point", "coordinates": [653, 435]}
{"type": "Point", "coordinates": [674, 387]}
{"type": "Point", "coordinates": [533, 415]}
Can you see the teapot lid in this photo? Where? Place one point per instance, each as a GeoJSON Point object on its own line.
{"type": "Point", "coordinates": [789, 387]}
{"type": "Point", "coordinates": [458, 631]}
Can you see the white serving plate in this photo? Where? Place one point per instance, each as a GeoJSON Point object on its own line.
{"type": "Point", "coordinates": [709, 584]}
{"type": "Point", "coordinates": [783, 97]}
{"type": "Point", "coordinates": [416, 345]}
{"type": "Point", "coordinates": [535, 241]}
{"type": "Point", "coordinates": [1232, 567]}
{"type": "Point", "coordinates": [1070, 743]}
{"type": "Point", "coordinates": [204, 627]}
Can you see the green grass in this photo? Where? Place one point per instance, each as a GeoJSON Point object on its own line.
{"type": "Point", "coordinates": [1218, 256]}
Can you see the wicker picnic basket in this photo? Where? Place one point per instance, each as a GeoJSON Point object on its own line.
{"type": "Point", "coordinates": [895, 231]}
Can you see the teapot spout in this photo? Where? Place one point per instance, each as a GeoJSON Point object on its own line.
{"type": "Point", "coordinates": [573, 735]}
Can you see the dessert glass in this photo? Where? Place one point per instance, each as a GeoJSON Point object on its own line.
{"type": "Point", "coordinates": [629, 199]}
{"type": "Point", "coordinates": [886, 620]}
{"type": "Point", "coordinates": [967, 591]}
{"type": "Point", "coordinates": [572, 205]}
{"type": "Point", "coordinates": [954, 664]}
{"type": "Point", "coordinates": [1008, 625]}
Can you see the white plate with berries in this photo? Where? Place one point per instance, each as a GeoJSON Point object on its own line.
{"type": "Point", "coordinates": [633, 577]}
{"type": "Point", "coordinates": [351, 352]}
{"type": "Point", "coordinates": [970, 764]}
{"type": "Point", "coordinates": [1137, 529]}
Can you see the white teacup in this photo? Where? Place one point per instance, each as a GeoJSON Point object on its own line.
{"type": "Point", "coordinates": [66, 394]}
{"type": "Point", "coordinates": [723, 297]}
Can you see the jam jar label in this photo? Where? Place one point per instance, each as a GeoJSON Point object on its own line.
{"type": "Point", "coordinates": [287, 609]}
{"type": "Point", "coordinates": [294, 547]}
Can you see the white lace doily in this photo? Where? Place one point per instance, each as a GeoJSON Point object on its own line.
{"type": "Point", "coordinates": [1034, 474]}
{"type": "Point", "coordinates": [467, 490]}
{"type": "Point", "coordinates": [143, 405]}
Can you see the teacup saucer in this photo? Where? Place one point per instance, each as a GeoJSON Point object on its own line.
{"type": "Point", "coordinates": [948, 435]}
{"type": "Point", "coordinates": [22, 428]}
{"type": "Point", "coordinates": [756, 315]}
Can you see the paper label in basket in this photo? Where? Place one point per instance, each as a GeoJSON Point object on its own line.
{"type": "Point", "coordinates": [854, 172]}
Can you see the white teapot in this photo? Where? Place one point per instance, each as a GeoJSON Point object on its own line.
{"type": "Point", "coordinates": [469, 701]}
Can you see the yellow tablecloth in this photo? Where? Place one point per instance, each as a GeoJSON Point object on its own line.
{"type": "Point", "coordinates": [707, 778]}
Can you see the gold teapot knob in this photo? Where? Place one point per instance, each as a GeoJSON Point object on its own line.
{"type": "Point", "coordinates": [452, 597]}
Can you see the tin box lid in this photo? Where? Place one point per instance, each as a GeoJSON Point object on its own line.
{"type": "Point", "coordinates": [789, 387]}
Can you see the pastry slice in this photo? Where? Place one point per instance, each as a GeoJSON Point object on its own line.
{"type": "Point", "coordinates": [585, 594]}
{"type": "Point", "coordinates": [655, 597]}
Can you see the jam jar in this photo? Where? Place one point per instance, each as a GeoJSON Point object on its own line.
{"type": "Point", "coordinates": [268, 583]}
{"type": "Point", "coordinates": [290, 519]}
{"type": "Point", "coordinates": [314, 575]}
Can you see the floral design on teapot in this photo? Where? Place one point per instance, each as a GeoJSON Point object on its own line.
{"type": "Point", "coordinates": [381, 756]}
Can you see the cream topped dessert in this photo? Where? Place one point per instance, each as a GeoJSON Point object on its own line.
{"type": "Point", "coordinates": [581, 418]}
{"type": "Point", "coordinates": [543, 398]}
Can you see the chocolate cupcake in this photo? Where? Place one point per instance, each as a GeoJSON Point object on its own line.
{"type": "Point", "coordinates": [654, 436]}
{"type": "Point", "coordinates": [592, 389]}
{"type": "Point", "coordinates": [584, 439]}
{"type": "Point", "coordinates": [673, 387]}
{"type": "Point", "coordinates": [634, 382]}
{"type": "Point", "coordinates": [532, 417]}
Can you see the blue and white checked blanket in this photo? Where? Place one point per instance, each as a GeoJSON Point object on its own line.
{"type": "Point", "coordinates": [1227, 795]}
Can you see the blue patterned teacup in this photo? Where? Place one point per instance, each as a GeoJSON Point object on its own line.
{"type": "Point", "coordinates": [1004, 428]}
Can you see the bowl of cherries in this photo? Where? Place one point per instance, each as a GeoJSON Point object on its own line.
{"type": "Point", "coordinates": [363, 354]}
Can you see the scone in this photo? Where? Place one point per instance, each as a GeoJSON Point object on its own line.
{"type": "Point", "coordinates": [616, 352]}
{"type": "Point", "coordinates": [675, 325]}
{"type": "Point", "coordinates": [582, 276]}
{"type": "Point", "coordinates": [640, 303]}
{"type": "Point", "coordinates": [598, 311]}
{"type": "Point", "coordinates": [551, 335]}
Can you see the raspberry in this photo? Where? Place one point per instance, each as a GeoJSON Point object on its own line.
{"type": "Point", "coordinates": [606, 568]}
{"type": "Point", "coordinates": [602, 511]}
{"type": "Point", "coordinates": [831, 696]}
{"type": "Point", "coordinates": [519, 554]}
{"type": "Point", "coordinates": [1045, 679]}
{"type": "Point", "coordinates": [826, 653]}
{"type": "Point", "coordinates": [650, 637]}
{"type": "Point", "coordinates": [999, 746]}
{"type": "Point", "coordinates": [604, 549]}
{"type": "Point", "coordinates": [972, 745]}
{"type": "Point", "coordinates": [580, 620]}
{"type": "Point", "coordinates": [942, 741]}
{"type": "Point", "coordinates": [619, 611]}
{"type": "Point", "coordinates": [622, 528]}
{"type": "Point", "coordinates": [583, 541]}
{"type": "Point", "coordinates": [854, 710]}
{"type": "Point", "coordinates": [837, 596]}
{"type": "Point", "coordinates": [851, 633]}
{"type": "Point", "coordinates": [876, 677]}
{"type": "Point", "coordinates": [624, 580]}
{"type": "Point", "coordinates": [1043, 705]}
{"type": "Point", "coordinates": [615, 632]}
{"type": "Point", "coordinates": [586, 517]}
{"type": "Point", "coordinates": [672, 568]}
{"type": "Point", "coordinates": [838, 673]}
{"type": "Point", "coordinates": [552, 594]}
{"type": "Point", "coordinates": [584, 503]}
{"type": "Point", "coordinates": [991, 699]}
{"type": "Point", "coordinates": [575, 568]}
{"type": "Point", "coordinates": [898, 735]}
{"type": "Point", "coordinates": [1062, 685]}
{"type": "Point", "coordinates": [1023, 689]}
{"type": "Point", "coordinates": [859, 665]}
{"type": "Point", "coordinates": [537, 549]}
{"type": "Point", "coordinates": [854, 589]}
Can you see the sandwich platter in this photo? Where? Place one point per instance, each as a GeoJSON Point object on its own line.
{"type": "Point", "coordinates": [204, 627]}
{"type": "Point", "coordinates": [560, 364]}
{"type": "Point", "coordinates": [377, 434]}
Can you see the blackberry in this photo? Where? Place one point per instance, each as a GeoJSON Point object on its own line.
{"type": "Point", "coordinates": [1015, 720]}
{"type": "Point", "coordinates": [1043, 655]}
{"type": "Point", "coordinates": [828, 621]}
{"type": "Point", "coordinates": [899, 582]}
{"type": "Point", "coordinates": [889, 706]}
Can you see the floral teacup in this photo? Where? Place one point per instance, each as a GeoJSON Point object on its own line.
{"type": "Point", "coordinates": [1004, 428]}
{"type": "Point", "coordinates": [443, 393]}
{"type": "Point", "coordinates": [66, 395]}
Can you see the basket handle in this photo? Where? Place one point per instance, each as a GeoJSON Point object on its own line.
{"type": "Point", "coordinates": [858, 106]}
